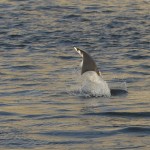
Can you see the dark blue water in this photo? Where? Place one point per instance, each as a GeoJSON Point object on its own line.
{"type": "Point", "coordinates": [38, 68]}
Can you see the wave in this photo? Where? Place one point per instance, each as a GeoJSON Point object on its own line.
{"type": "Point", "coordinates": [98, 134]}
{"type": "Point", "coordinates": [121, 114]}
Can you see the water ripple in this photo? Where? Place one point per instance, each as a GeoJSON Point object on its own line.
{"type": "Point", "coordinates": [122, 114]}
{"type": "Point", "coordinates": [98, 134]}
{"type": "Point", "coordinates": [4, 113]}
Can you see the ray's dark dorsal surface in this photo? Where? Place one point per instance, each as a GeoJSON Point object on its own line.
{"type": "Point", "coordinates": [88, 64]}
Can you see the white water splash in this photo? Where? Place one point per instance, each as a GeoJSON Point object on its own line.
{"type": "Point", "coordinates": [90, 84]}
{"type": "Point", "coordinates": [94, 85]}
{"type": "Point", "coordinates": [118, 85]}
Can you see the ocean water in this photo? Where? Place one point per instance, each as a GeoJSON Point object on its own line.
{"type": "Point", "coordinates": [39, 68]}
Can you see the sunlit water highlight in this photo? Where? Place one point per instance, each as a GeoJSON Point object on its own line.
{"type": "Point", "coordinates": [37, 70]}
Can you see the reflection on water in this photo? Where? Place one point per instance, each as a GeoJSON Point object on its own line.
{"type": "Point", "coordinates": [38, 68]}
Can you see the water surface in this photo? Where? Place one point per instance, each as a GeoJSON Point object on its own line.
{"type": "Point", "coordinates": [38, 67]}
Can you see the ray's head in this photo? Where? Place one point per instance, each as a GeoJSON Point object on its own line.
{"type": "Point", "coordinates": [88, 64]}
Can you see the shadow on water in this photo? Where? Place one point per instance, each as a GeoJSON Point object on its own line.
{"type": "Point", "coordinates": [118, 92]}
